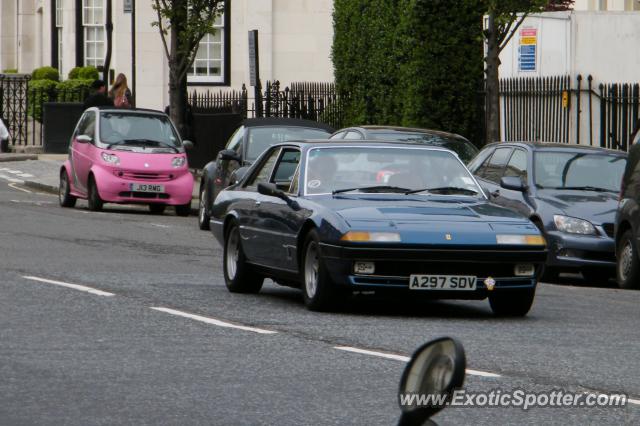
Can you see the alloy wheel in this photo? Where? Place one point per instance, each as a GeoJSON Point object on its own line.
{"type": "Point", "coordinates": [311, 266]}
{"type": "Point", "coordinates": [626, 261]}
{"type": "Point", "coordinates": [233, 253]}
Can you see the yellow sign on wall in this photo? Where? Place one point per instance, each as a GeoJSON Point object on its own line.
{"type": "Point", "coordinates": [565, 99]}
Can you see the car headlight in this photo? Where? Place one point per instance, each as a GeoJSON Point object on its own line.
{"type": "Point", "coordinates": [110, 158]}
{"type": "Point", "coordinates": [517, 239]}
{"type": "Point", "coordinates": [572, 225]}
{"type": "Point", "coordinates": [178, 162]}
{"type": "Point", "coordinates": [378, 237]}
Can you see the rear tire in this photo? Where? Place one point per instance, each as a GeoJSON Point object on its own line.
{"type": "Point", "coordinates": [64, 192]}
{"type": "Point", "coordinates": [317, 288]}
{"type": "Point", "coordinates": [628, 265]}
{"type": "Point", "coordinates": [238, 275]}
{"type": "Point", "coordinates": [157, 208]}
{"type": "Point", "coordinates": [203, 216]}
{"type": "Point", "coordinates": [94, 200]}
{"type": "Point", "coordinates": [597, 275]}
{"type": "Point", "coordinates": [512, 303]}
{"type": "Point", "coordinates": [183, 210]}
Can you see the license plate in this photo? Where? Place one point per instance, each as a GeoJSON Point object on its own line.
{"type": "Point", "coordinates": [146, 187]}
{"type": "Point", "coordinates": [442, 282]}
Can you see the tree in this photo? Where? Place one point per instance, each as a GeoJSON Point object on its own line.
{"type": "Point", "coordinates": [184, 23]}
{"type": "Point", "coordinates": [503, 18]}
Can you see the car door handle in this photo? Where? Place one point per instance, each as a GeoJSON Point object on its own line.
{"type": "Point", "coordinates": [257, 203]}
{"type": "Point", "coordinates": [495, 193]}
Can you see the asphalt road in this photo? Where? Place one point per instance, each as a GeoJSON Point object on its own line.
{"type": "Point", "coordinates": [68, 356]}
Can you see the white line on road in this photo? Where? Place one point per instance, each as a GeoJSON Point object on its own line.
{"type": "Point", "coordinates": [633, 401]}
{"type": "Point", "coordinates": [10, 179]}
{"type": "Point", "coordinates": [159, 225]}
{"type": "Point", "coordinates": [405, 359]}
{"type": "Point", "coordinates": [13, 185]}
{"type": "Point", "coordinates": [68, 285]}
{"type": "Point", "coordinates": [213, 321]}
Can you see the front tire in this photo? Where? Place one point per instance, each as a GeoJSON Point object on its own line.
{"type": "Point", "coordinates": [203, 216]}
{"type": "Point", "coordinates": [238, 275]}
{"type": "Point", "coordinates": [157, 208]}
{"type": "Point", "coordinates": [628, 265]}
{"type": "Point", "coordinates": [512, 303]}
{"type": "Point", "coordinates": [317, 288]}
{"type": "Point", "coordinates": [183, 210]}
{"type": "Point", "coordinates": [94, 200]}
{"type": "Point", "coordinates": [64, 191]}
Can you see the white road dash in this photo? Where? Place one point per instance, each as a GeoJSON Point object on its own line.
{"type": "Point", "coordinates": [13, 185]}
{"type": "Point", "coordinates": [11, 179]}
{"type": "Point", "coordinates": [214, 321]}
{"type": "Point", "coordinates": [405, 359]}
{"type": "Point", "coordinates": [69, 285]}
{"type": "Point", "coordinates": [159, 225]}
{"type": "Point", "coordinates": [633, 401]}
{"type": "Point", "coordinates": [24, 175]}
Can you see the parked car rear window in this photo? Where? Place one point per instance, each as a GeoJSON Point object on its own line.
{"type": "Point", "coordinates": [556, 169]}
{"type": "Point", "coordinates": [465, 150]}
{"type": "Point", "coordinates": [261, 138]}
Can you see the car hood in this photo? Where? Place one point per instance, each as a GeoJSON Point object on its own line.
{"type": "Point", "coordinates": [146, 162]}
{"type": "Point", "coordinates": [596, 207]}
{"type": "Point", "coordinates": [438, 220]}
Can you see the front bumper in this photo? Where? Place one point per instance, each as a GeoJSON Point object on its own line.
{"type": "Point", "coordinates": [114, 189]}
{"type": "Point", "coordinates": [577, 251]}
{"type": "Point", "coordinates": [393, 266]}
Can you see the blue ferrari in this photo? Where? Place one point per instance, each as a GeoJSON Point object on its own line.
{"type": "Point", "coordinates": [338, 219]}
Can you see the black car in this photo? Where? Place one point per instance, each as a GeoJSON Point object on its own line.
{"type": "Point", "coordinates": [245, 145]}
{"type": "Point", "coordinates": [456, 143]}
{"type": "Point", "coordinates": [628, 223]}
{"type": "Point", "coordinates": [316, 216]}
{"type": "Point", "coordinates": [569, 191]}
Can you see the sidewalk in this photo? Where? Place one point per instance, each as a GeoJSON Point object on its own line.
{"type": "Point", "coordinates": [42, 172]}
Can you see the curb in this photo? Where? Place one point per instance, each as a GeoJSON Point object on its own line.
{"type": "Point", "coordinates": [41, 186]}
{"type": "Point", "coordinates": [17, 157]}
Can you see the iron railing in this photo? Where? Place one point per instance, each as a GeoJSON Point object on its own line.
{"type": "Point", "coordinates": [13, 106]}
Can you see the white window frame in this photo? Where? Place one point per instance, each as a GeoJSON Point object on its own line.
{"type": "Point", "coordinates": [220, 29]}
{"type": "Point", "coordinates": [59, 30]}
{"type": "Point", "coordinates": [95, 28]}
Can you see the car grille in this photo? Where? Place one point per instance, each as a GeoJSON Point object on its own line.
{"type": "Point", "coordinates": [478, 269]}
{"type": "Point", "coordinates": [145, 195]}
{"type": "Point", "coordinates": [608, 229]}
{"type": "Point", "coordinates": [156, 177]}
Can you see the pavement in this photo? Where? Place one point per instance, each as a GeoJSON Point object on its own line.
{"type": "Point", "coordinates": [42, 172]}
{"type": "Point", "coordinates": [123, 317]}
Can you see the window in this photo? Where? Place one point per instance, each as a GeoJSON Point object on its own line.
{"type": "Point", "coordinates": [286, 168]}
{"type": "Point", "coordinates": [264, 171]}
{"type": "Point", "coordinates": [59, 35]}
{"type": "Point", "coordinates": [210, 61]}
{"type": "Point", "coordinates": [338, 135]}
{"type": "Point", "coordinates": [94, 32]}
{"type": "Point", "coordinates": [353, 135]}
{"type": "Point", "coordinates": [517, 165]}
{"type": "Point", "coordinates": [494, 168]}
{"type": "Point", "coordinates": [235, 142]}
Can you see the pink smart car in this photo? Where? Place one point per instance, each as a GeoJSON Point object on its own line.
{"type": "Point", "coordinates": [127, 156]}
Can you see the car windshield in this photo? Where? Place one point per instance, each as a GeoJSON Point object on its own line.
{"type": "Point", "coordinates": [125, 128]}
{"type": "Point", "coordinates": [465, 150]}
{"type": "Point", "coordinates": [261, 138]}
{"type": "Point", "coordinates": [578, 170]}
{"type": "Point", "coordinates": [385, 169]}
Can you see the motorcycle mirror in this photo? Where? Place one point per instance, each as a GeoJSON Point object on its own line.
{"type": "Point", "coordinates": [437, 368]}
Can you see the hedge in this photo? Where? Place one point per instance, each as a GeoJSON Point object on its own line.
{"type": "Point", "coordinates": [10, 71]}
{"type": "Point", "coordinates": [39, 92]}
{"type": "Point", "coordinates": [73, 90]}
{"type": "Point", "coordinates": [84, 73]}
{"type": "Point", "coordinates": [45, 73]}
{"type": "Point", "coordinates": [411, 62]}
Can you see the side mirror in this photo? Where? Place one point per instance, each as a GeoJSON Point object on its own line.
{"type": "Point", "coordinates": [513, 183]}
{"type": "Point", "coordinates": [187, 144]}
{"type": "Point", "coordinates": [84, 139]}
{"type": "Point", "coordinates": [271, 190]}
{"type": "Point", "coordinates": [433, 373]}
{"type": "Point", "coordinates": [229, 155]}
{"type": "Point", "coordinates": [238, 174]}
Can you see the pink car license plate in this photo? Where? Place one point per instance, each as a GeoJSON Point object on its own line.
{"type": "Point", "coordinates": [146, 187]}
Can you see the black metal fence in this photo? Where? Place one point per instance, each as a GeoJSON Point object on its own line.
{"type": "Point", "coordinates": [13, 106]}
{"type": "Point", "coordinates": [561, 109]}
{"type": "Point", "coordinates": [312, 101]}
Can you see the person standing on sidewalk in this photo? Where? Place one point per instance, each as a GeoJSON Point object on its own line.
{"type": "Point", "coordinates": [98, 96]}
{"type": "Point", "coordinates": [120, 93]}
{"type": "Point", "coordinates": [4, 137]}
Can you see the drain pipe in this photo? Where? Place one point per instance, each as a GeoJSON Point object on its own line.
{"type": "Point", "coordinates": [107, 59]}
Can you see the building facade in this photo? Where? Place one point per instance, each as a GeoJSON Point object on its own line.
{"type": "Point", "coordinates": [295, 39]}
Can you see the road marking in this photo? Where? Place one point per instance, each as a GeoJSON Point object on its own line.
{"type": "Point", "coordinates": [13, 185]}
{"type": "Point", "coordinates": [24, 175]}
{"type": "Point", "coordinates": [633, 401]}
{"type": "Point", "coordinates": [69, 285]}
{"type": "Point", "coordinates": [405, 359]}
{"type": "Point", "coordinates": [10, 179]}
{"type": "Point", "coordinates": [213, 321]}
{"type": "Point", "coordinates": [159, 225]}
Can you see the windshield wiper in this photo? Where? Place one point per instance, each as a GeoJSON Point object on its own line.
{"type": "Point", "coordinates": [585, 188]}
{"type": "Point", "coordinates": [143, 142]}
{"type": "Point", "coordinates": [376, 188]}
{"type": "Point", "coordinates": [443, 189]}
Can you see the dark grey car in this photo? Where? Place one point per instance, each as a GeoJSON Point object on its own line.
{"type": "Point", "coordinates": [569, 191]}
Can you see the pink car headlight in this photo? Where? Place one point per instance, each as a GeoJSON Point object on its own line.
{"type": "Point", "coordinates": [110, 158]}
{"type": "Point", "coordinates": [178, 162]}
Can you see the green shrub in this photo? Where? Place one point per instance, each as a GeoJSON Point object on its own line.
{"type": "Point", "coordinates": [10, 71]}
{"type": "Point", "coordinates": [73, 90]}
{"type": "Point", "coordinates": [46, 73]}
{"type": "Point", "coordinates": [74, 73]}
{"type": "Point", "coordinates": [39, 92]}
{"type": "Point", "coordinates": [411, 62]}
{"type": "Point", "coordinates": [89, 73]}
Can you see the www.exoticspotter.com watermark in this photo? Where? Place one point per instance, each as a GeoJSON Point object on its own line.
{"type": "Point", "coordinates": [515, 398]}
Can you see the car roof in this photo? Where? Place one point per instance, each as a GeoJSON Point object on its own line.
{"type": "Point", "coordinates": [290, 122]}
{"type": "Point", "coordinates": [405, 129]}
{"type": "Point", "coordinates": [541, 146]}
{"type": "Point", "coordinates": [109, 108]}
{"type": "Point", "coordinates": [373, 143]}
